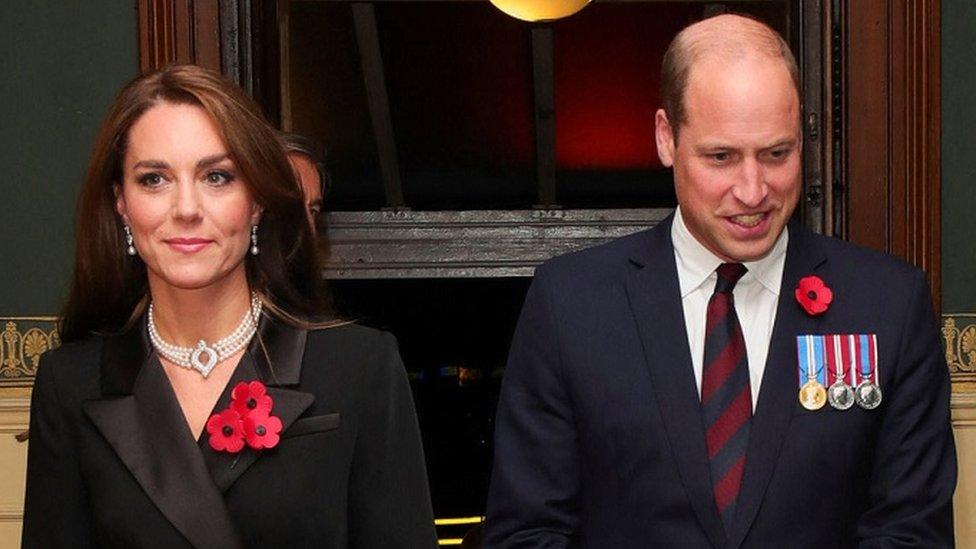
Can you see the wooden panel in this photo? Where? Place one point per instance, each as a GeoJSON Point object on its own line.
{"type": "Point", "coordinates": [206, 34]}
{"type": "Point", "coordinates": [964, 502]}
{"type": "Point", "coordinates": [892, 138]}
{"type": "Point", "coordinates": [405, 244]}
{"type": "Point", "coordinates": [14, 406]}
{"type": "Point", "coordinates": [178, 31]}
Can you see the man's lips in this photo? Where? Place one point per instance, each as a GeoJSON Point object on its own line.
{"type": "Point", "coordinates": [748, 220]}
{"type": "Point", "coordinates": [188, 244]}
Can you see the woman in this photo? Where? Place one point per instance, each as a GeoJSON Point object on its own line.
{"type": "Point", "coordinates": [193, 402]}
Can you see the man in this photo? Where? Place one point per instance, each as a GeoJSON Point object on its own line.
{"type": "Point", "coordinates": [669, 389]}
{"type": "Point", "coordinates": [309, 169]}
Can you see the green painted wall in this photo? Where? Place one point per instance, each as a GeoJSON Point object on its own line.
{"type": "Point", "coordinates": [61, 64]}
{"type": "Point", "coordinates": [958, 157]}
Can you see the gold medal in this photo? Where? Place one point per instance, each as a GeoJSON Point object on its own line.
{"type": "Point", "coordinates": [813, 396]}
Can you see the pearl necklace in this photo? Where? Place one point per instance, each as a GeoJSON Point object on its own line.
{"type": "Point", "coordinates": [190, 357]}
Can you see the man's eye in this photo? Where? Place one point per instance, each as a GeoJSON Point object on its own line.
{"type": "Point", "coordinates": [720, 157]}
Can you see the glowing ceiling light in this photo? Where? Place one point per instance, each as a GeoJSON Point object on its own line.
{"type": "Point", "coordinates": [540, 10]}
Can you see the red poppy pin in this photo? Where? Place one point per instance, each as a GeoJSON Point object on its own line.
{"type": "Point", "coordinates": [247, 420]}
{"type": "Point", "coordinates": [813, 295]}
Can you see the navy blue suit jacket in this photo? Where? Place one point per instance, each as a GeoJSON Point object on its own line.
{"type": "Point", "coordinates": [599, 437]}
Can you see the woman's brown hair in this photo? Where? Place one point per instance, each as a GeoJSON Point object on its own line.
{"type": "Point", "coordinates": [109, 289]}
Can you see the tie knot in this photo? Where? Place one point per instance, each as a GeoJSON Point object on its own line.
{"type": "Point", "coordinates": [728, 275]}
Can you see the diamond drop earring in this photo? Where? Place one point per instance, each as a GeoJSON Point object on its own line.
{"type": "Point", "coordinates": [254, 240]}
{"type": "Point", "coordinates": [130, 249]}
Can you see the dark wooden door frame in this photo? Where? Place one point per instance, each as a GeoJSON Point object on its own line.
{"type": "Point", "coordinates": [892, 116]}
{"type": "Point", "coordinates": [178, 31]}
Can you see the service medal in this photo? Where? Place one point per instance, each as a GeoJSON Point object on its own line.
{"type": "Point", "coordinates": [868, 395]}
{"type": "Point", "coordinates": [864, 348]}
{"type": "Point", "coordinates": [813, 396]}
{"type": "Point", "coordinates": [840, 395]}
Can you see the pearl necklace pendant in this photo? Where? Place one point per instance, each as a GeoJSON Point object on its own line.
{"type": "Point", "coordinates": [197, 364]}
{"type": "Point", "coordinates": [204, 357]}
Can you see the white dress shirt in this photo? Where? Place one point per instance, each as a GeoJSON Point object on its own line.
{"type": "Point", "coordinates": [756, 296]}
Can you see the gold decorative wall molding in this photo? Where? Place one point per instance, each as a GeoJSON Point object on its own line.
{"type": "Point", "coordinates": [23, 340]}
{"type": "Point", "coordinates": [959, 338]}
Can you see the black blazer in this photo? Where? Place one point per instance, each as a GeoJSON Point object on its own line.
{"type": "Point", "coordinates": [599, 436]}
{"type": "Point", "coordinates": [112, 462]}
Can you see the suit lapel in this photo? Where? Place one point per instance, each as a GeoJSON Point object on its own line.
{"type": "Point", "coordinates": [655, 301]}
{"type": "Point", "coordinates": [141, 419]}
{"type": "Point", "coordinates": [275, 358]}
{"type": "Point", "coordinates": [778, 393]}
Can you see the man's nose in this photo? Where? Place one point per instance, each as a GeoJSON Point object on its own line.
{"type": "Point", "coordinates": [751, 188]}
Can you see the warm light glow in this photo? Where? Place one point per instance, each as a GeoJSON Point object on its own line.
{"type": "Point", "coordinates": [540, 10]}
{"type": "Point", "coordinates": [459, 520]}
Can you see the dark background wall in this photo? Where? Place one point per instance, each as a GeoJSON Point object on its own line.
{"type": "Point", "coordinates": [959, 184]}
{"type": "Point", "coordinates": [958, 157]}
{"type": "Point", "coordinates": [61, 63]}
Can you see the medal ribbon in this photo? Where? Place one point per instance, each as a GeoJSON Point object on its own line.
{"type": "Point", "coordinates": [810, 355]}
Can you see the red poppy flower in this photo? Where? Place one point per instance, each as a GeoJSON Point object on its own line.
{"type": "Point", "coordinates": [226, 431]}
{"type": "Point", "coordinates": [813, 295]}
{"type": "Point", "coordinates": [261, 430]}
{"type": "Point", "coordinates": [250, 398]}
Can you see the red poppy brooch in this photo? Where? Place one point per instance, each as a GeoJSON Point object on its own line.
{"type": "Point", "coordinates": [247, 420]}
{"type": "Point", "coordinates": [813, 295]}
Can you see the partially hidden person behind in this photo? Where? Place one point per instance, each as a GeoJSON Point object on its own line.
{"type": "Point", "coordinates": [727, 378]}
{"type": "Point", "coordinates": [201, 397]}
{"type": "Point", "coordinates": [308, 161]}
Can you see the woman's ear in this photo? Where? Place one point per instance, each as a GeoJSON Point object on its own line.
{"type": "Point", "coordinates": [256, 212]}
{"type": "Point", "coordinates": [120, 203]}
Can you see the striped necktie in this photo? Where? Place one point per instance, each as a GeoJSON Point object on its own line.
{"type": "Point", "coordinates": [726, 398]}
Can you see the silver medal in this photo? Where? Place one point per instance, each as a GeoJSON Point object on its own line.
{"type": "Point", "coordinates": [868, 395]}
{"type": "Point", "coordinates": [839, 394]}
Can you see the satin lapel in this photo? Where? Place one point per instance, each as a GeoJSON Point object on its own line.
{"type": "Point", "coordinates": [778, 393]}
{"type": "Point", "coordinates": [275, 357]}
{"type": "Point", "coordinates": [141, 419]}
{"type": "Point", "coordinates": [655, 300]}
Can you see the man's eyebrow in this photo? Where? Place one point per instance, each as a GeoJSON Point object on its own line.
{"type": "Point", "coordinates": [702, 147]}
{"type": "Point", "coordinates": [788, 142]}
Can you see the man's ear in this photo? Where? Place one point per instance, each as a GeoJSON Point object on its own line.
{"type": "Point", "coordinates": [120, 203]}
{"type": "Point", "coordinates": [664, 136]}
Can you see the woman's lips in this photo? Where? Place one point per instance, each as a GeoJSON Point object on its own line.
{"type": "Point", "coordinates": [188, 245]}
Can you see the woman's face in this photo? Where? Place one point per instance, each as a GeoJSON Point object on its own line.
{"type": "Point", "coordinates": [189, 211]}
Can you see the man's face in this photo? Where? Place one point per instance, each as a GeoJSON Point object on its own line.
{"type": "Point", "coordinates": [311, 183]}
{"type": "Point", "coordinates": [737, 159]}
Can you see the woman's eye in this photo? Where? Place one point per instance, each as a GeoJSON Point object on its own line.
{"type": "Point", "coordinates": [219, 178]}
{"type": "Point", "coordinates": [151, 179]}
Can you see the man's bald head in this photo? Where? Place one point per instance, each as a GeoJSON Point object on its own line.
{"type": "Point", "coordinates": [727, 37]}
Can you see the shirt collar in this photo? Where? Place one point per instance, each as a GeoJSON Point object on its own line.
{"type": "Point", "coordinates": [696, 263]}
